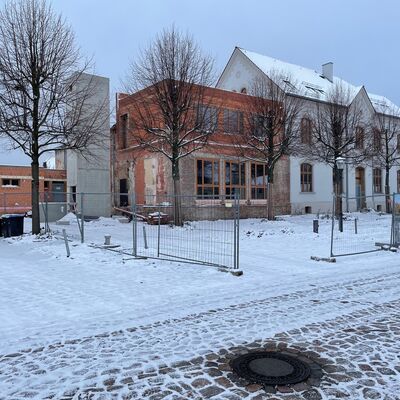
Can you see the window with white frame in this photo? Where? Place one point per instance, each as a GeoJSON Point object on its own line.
{"type": "Point", "coordinates": [10, 182]}
{"type": "Point", "coordinates": [377, 180]}
{"type": "Point", "coordinates": [306, 177]}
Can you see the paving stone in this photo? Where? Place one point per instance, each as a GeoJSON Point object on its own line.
{"type": "Point", "coordinates": [311, 395]}
{"type": "Point", "coordinates": [371, 394]}
{"type": "Point", "coordinates": [224, 382]}
{"type": "Point", "coordinates": [254, 387]}
{"type": "Point", "coordinates": [211, 391]}
{"type": "Point", "coordinates": [200, 382]}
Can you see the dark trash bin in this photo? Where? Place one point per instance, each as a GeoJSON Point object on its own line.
{"type": "Point", "coordinates": [12, 225]}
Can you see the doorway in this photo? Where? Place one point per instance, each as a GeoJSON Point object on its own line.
{"type": "Point", "coordinates": [123, 188]}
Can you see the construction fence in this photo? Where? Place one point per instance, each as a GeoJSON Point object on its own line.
{"type": "Point", "coordinates": [368, 230]}
{"type": "Point", "coordinates": [206, 231]}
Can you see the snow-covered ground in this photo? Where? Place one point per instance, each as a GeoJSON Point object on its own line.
{"type": "Point", "coordinates": [47, 298]}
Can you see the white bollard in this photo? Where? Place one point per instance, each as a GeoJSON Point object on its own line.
{"type": "Point", "coordinates": [107, 240]}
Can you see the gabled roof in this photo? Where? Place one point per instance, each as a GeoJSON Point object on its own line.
{"type": "Point", "coordinates": [310, 83]}
{"type": "Point", "coordinates": [301, 80]}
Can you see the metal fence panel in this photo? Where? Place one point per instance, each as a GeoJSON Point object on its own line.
{"type": "Point", "coordinates": [208, 234]}
{"type": "Point", "coordinates": [360, 232]}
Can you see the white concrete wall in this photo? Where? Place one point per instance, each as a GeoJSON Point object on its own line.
{"type": "Point", "coordinates": [91, 173]}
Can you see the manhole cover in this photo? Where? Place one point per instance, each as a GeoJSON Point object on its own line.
{"type": "Point", "coordinates": [271, 368]}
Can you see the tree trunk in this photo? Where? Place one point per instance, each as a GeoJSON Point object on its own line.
{"type": "Point", "coordinates": [177, 194]}
{"type": "Point", "coordinates": [338, 197]}
{"type": "Point", "coordinates": [35, 195]}
{"type": "Point", "coordinates": [270, 202]}
{"type": "Point", "coordinates": [387, 190]}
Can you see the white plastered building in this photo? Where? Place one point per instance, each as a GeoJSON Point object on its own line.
{"type": "Point", "coordinates": [239, 74]}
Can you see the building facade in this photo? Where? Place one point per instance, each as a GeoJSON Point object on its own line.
{"type": "Point", "coordinates": [216, 171]}
{"type": "Point", "coordinates": [90, 173]}
{"type": "Point", "coordinates": [16, 187]}
{"type": "Point", "coordinates": [311, 186]}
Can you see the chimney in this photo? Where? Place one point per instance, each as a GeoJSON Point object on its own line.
{"type": "Point", "coordinates": [327, 71]}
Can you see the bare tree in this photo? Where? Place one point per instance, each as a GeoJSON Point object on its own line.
{"type": "Point", "coordinates": [337, 133]}
{"type": "Point", "coordinates": [44, 102]}
{"type": "Point", "coordinates": [385, 143]}
{"type": "Point", "coordinates": [173, 111]}
{"type": "Point", "coordinates": [272, 119]}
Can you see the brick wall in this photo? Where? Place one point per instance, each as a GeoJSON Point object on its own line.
{"type": "Point", "coordinates": [221, 147]}
{"type": "Point", "coordinates": [17, 198]}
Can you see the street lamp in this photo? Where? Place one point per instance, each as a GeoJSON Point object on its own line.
{"type": "Point", "coordinates": [339, 166]}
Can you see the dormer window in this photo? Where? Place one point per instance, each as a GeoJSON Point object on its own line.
{"type": "Point", "coordinates": [315, 91]}
{"type": "Point", "coordinates": [289, 86]}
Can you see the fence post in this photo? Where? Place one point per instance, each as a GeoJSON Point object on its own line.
{"type": "Point", "coordinates": [82, 220]}
{"type": "Point", "coordinates": [315, 225]}
{"type": "Point", "coordinates": [46, 216]}
{"type": "Point", "coordinates": [145, 238]}
{"type": "Point", "coordinates": [355, 226]}
{"type": "Point", "coordinates": [66, 242]}
{"type": "Point", "coordinates": [236, 232]}
{"type": "Point", "coordinates": [392, 233]}
{"type": "Point", "coordinates": [159, 225]}
{"type": "Point", "coordinates": [333, 223]}
{"type": "Point", "coordinates": [134, 225]}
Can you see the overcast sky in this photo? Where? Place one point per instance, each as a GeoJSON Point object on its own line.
{"type": "Point", "coordinates": [361, 37]}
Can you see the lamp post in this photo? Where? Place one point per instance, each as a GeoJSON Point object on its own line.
{"type": "Point", "coordinates": [338, 173]}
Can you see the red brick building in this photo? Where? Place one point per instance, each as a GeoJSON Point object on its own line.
{"type": "Point", "coordinates": [15, 187]}
{"type": "Point", "coordinates": [216, 170]}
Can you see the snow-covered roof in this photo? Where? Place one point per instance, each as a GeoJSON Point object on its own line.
{"type": "Point", "coordinates": [311, 83]}
{"type": "Point", "coordinates": [383, 105]}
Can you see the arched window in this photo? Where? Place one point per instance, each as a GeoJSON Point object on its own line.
{"type": "Point", "coordinates": [305, 131]}
{"type": "Point", "coordinates": [243, 90]}
{"type": "Point", "coordinates": [306, 177]}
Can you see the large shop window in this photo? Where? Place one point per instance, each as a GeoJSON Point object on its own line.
{"type": "Point", "coordinates": [306, 177]}
{"type": "Point", "coordinates": [235, 180]}
{"type": "Point", "coordinates": [207, 179]}
{"type": "Point", "coordinates": [259, 181]}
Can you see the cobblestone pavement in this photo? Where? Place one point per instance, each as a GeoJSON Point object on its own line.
{"type": "Point", "coordinates": [355, 339]}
